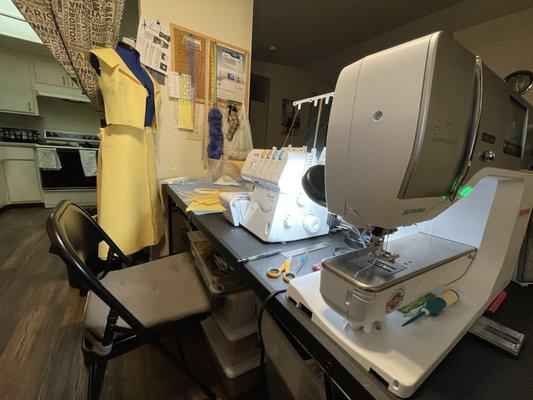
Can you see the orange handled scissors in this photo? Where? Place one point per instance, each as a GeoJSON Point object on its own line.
{"type": "Point", "coordinates": [283, 269]}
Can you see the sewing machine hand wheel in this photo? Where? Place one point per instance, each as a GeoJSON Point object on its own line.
{"type": "Point", "coordinates": [314, 184]}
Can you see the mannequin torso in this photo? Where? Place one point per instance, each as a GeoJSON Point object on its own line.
{"type": "Point", "coordinates": [131, 58]}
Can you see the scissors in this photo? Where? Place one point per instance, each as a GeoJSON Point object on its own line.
{"type": "Point", "coordinates": [284, 269]}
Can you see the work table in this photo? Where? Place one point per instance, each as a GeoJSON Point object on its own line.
{"type": "Point", "coordinates": [472, 370]}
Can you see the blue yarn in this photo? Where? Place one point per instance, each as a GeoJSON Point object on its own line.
{"type": "Point", "coordinates": [216, 137]}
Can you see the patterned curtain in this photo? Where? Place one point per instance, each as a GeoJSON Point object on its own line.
{"type": "Point", "coordinates": [69, 28]}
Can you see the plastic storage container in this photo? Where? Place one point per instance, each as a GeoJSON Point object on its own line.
{"type": "Point", "coordinates": [239, 370]}
{"type": "Point", "coordinates": [241, 308]}
{"type": "Point", "coordinates": [241, 338]}
{"type": "Point", "coordinates": [219, 282]}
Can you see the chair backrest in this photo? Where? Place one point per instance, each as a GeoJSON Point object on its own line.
{"type": "Point", "coordinates": [74, 236]}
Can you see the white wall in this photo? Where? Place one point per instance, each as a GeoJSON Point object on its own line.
{"type": "Point", "coordinates": [504, 44]}
{"type": "Point", "coordinates": [287, 82]}
{"type": "Point", "coordinates": [462, 15]}
{"type": "Point", "coordinates": [227, 20]}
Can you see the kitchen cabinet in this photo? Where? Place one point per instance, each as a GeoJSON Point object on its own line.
{"type": "Point", "coordinates": [17, 94]}
{"type": "Point", "coordinates": [51, 73]}
{"type": "Point", "coordinates": [3, 189]}
{"type": "Point", "coordinates": [51, 80]}
{"type": "Point", "coordinates": [22, 181]}
{"type": "Point", "coordinates": [73, 84]}
{"type": "Point", "coordinates": [19, 175]}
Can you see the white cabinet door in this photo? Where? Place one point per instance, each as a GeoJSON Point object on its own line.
{"type": "Point", "coordinates": [3, 189]}
{"type": "Point", "coordinates": [72, 84]}
{"type": "Point", "coordinates": [51, 73]}
{"type": "Point", "coordinates": [22, 181]}
{"type": "Point", "coordinates": [16, 93]}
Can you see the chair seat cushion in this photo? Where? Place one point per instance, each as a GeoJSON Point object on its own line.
{"type": "Point", "coordinates": [164, 290]}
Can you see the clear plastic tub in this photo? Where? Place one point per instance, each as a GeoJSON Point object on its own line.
{"type": "Point", "coordinates": [242, 338]}
{"type": "Point", "coordinates": [241, 308]}
{"type": "Point", "coordinates": [217, 281]}
{"type": "Point", "coordinates": [239, 371]}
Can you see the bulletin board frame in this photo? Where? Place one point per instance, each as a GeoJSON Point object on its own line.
{"type": "Point", "coordinates": [208, 58]}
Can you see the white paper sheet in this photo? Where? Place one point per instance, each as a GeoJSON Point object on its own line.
{"type": "Point", "coordinates": [153, 44]}
{"type": "Point", "coordinates": [231, 74]}
{"type": "Point", "coordinates": [179, 86]}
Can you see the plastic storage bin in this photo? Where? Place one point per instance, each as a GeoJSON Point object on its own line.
{"type": "Point", "coordinates": [217, 281]}
{"type": "Point", "coordinates": [238, 370]}
{"type": "Point", "coordinates": [241, 308]}
{"type": "Point", "coordinates": [241, 338]}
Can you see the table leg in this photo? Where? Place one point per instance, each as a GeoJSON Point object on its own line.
{"type": "Point", "coordinates": [170, 206]}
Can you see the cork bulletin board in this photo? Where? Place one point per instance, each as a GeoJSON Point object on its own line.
{"type": "Point", "coordinates": [193, 51]}
{"type": "Point", "coordinates": [190, 51]}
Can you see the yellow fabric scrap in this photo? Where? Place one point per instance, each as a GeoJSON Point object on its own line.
{"type": "Point", "coordinates": [215, 208]}
{"type": "Point", "coordinates": [204, 200]}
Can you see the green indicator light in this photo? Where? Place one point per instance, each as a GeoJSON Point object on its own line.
{"type": "Point", "coordinates": [465, 191]}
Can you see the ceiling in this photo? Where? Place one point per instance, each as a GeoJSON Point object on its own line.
{"type": "Point", "coordinates": [304, 31]}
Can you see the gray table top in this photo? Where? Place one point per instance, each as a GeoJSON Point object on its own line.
{"type": "Point", "coordinates": [472, 370]}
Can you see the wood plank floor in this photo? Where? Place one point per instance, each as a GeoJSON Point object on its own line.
{"type": "Point", "coordinates": [40, 334]}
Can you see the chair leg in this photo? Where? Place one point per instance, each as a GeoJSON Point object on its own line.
{"type": "Point", "coordinates": [181, 352]}
{"type": "Point", "coordinates": [96, 379]}
{"type": "Point", "coordinates": [183, 358]}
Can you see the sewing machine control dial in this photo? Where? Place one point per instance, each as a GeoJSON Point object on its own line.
{"type": "Point", "coordinates": [311, 223]}
{"type": "Point", "coordinates": [288, 221]}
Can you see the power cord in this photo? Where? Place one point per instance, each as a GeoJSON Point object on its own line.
{"type": "Point", "coordinates": [259, 330]}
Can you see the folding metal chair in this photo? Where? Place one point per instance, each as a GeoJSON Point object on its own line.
{"type": "Point", "coordinates": [128, 307]}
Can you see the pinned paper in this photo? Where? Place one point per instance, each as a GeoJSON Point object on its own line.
{"type": "Point", "coordinates": [153, 44]}
{"type": "Point", "coordinates": [184, 118]}
{"type": "Point", "coordinates": [199, 123]}
{"type": "Point", "coordinates": [179, 86]}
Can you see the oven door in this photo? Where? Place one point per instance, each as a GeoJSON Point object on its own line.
{"type": "Point", "coordinates": [70, 176]}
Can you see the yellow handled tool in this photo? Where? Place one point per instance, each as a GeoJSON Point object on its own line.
{"type": "Point", "coordinates": [282, 269]}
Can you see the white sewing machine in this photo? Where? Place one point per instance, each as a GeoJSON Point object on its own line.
{"type": "Point", "coordinates": [427, 151]}
{"type": "Point", "coordinates": [279, 210]}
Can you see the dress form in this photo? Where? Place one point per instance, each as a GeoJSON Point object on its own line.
{"type": "Point", "coordinates": [131, 58]}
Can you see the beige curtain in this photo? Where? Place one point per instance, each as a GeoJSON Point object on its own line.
{"type": "Point", "coordinates": [70, 27]}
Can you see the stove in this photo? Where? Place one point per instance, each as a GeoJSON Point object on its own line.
{"type": "Point", "coordinates": [68, 146]}
{"type": "Point", "coordinates": [71, 139]}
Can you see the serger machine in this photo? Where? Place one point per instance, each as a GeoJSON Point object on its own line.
{"type": "Point", "coordinates": [278, 209]}
{"type": "Point", "coordinates": [427, 153]}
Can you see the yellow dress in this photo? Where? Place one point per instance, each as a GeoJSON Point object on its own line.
{"type": "Point", "coordinates": [129, 208]}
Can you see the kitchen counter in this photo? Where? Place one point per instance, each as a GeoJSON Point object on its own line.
{"type": "Point", "coordinates": [19, 144]}
{"type": "Point", "coordinates": [36, 145]}
{"type": "Point", "coordinates": [22, 181]}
